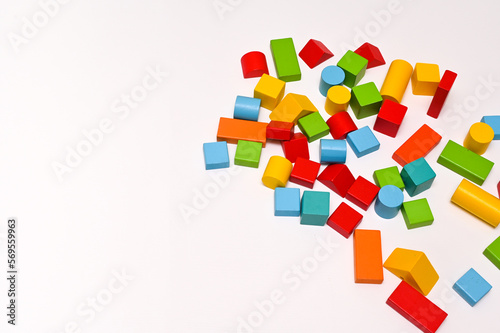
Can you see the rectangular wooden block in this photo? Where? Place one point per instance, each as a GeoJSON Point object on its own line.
{"type": "Point", "coordinates": [232, 130]}
{"type": "Point", "coordinates": [441, 93]}
{"type": "Point", "coordinates": [285, 59]}
{"type": "Point", "coordinates": [368, 256]}
{"type": "Point", "coordinates": [417, 146]}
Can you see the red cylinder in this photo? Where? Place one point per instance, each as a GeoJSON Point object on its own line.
{"type": "Point", "coordinates": [254, 64]}
{"type": "Point", "coordinates": [340, 125]}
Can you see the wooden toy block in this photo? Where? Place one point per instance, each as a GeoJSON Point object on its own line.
{"type": "Point", "coordinates": [337, 99]}
{"type": "Point", "coordinates": [478, 202]}
{"type": "Point", "coordinates": [418, 145]}
{"type": "Point", "coordinates": [296, 147]}
{"type": "Point", "coordinates": [479, 138]}
{"type": "Point", "coordinates": [333, 151]}
{"type": "Point", "coordinates": [416, 308]}
{"type": "Point", "coordinates": [248, 153]}
{"type": "Point", "coordinates": [465, 162]}
{"type": "Point", "coordinates": [314, 53]}
{"type": "Point", "coordinates": [413, 267]}
{"type": "Point", "coordinates": [313, 126]}
{"type": "Point", "coordinates": [338, 178]}
{"type": "Point", "coordinates": [365, 100]}
{"type": "Point", "coordinates": [293, 107]}
{"type": "Point", "coordinates": [304, 172]}
{"type": "Point", "coordinates": [472, 287]}
{"type": "Point", "coordinates": [362, 141]}
{"type": "Point", "coordinates": [425, 79]}
{"type": "Point", "coordinates": [216, 155]}
{"type": "Point", "coordinates": [254, 64]}
{"type": "Point", "coordinates": [441, 93]}
{"type": "Point", "coordinates": [494, 122]}
{"type": "Point", "coordinates": [277, 172]}
{"type": "Point", "coordinates": [315, 208]}
{"type": "Point", "coordinates": [270, 91]}
{"type": "Point", "coordinates": [498, 188]}
{"type": "Point", "coordinates": [286, 201]}
{"type": "Point", "coordinates": [232, 130]}
{"type": "Point", "coordinates": [417, 176]}
{"type": "Point", "coordinates": [389, 200]}
{"type": "Point", "coordinates": [354, 67]}
{"type": "Point", "coordinates": [330, 76]}
{"type": "Point", "coordinates": [344, 220]}
{"type": "Point", "coordinates": [362, 193]}
{"type": "Point", "coordinates": [279, 130]}
{"type": "Point", "coordinates": [388, 176]}
{"type": "Point", "coordinates": [492, 252]}
{"type": "Point", "coordinates": [340, 125]}
{"type": "Point", "coordinates": [372, 54]}
{"type": "Point", "coordinates": [389, 118]}
{"type": "Point", "coordinates": [417, 213]}
{"type": "Point", "coordinates": [285, 59]}
{"type": "Point", "coordinates": [246, 108]}
{"type": "Point", "coordinates": [396, 80]}
{"type": "Point", "coordinates": [368, 256]}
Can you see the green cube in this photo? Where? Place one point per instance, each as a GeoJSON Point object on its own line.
{"type": "Point", "coordinates": [354, 67]}
{"type": "Point", "coordinates": [285, 59]}
{"type": "Point", "coordinates": [388, 176]}
{"type": "Point", "coordinates": [313, 126]}
{"type": "Point", "coordinates": [365, 100]}
{"type": "Point", "coordinates": [248, 153]}
{"type": "Point", "coordinates": [492, 252]}
{"type": "Point", "coordinates": [417, 213]}
{"type": "Point", "coordinates": [314, 208]}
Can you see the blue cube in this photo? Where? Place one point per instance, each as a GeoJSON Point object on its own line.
{"type": "Point", "coordinates": [246, 108]}
{"type": "Point", "coordinates": [333, 151]}
{"type": "Point", "coordinates": [494, 122]}
{"type": "Point", "coordinates": [315, 208]}
{"type": "Point", "coordinates": [472, 287]}
{"type": "Point", "coordinates": [286, 201]}
{"type": "Point", "coordinates": [216, 155]}
{"type": "Point", "coordinates": [363, 141]}
{"type": "Point", "coordinates": [417, 176]}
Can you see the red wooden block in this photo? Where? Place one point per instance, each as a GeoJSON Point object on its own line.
{"type": "Point", "coordinates": [372, 54]}
{"type": "Point", "coordinates": [415, 307]}
{"type": "Point", "coordinates": [304, 172]}
{"type": "Point", "coordinates": [418, 145]}
{"type": "Point", "coordinates": [279, 130]}
{"type": "Point", "coordinates": [254, 64]}
{"type": "Point", "coordinates": [340, 125]}
{"type": "Point", "coordinates": [498, 188]}
{"type": "Point", "coordinates": [389, 118]}
{"type": "Point", "coordinates": [344, 220]}
{"type": "Point", "coordinates": [441, 93]}
{"type": "Point", "coordinates": [297, 146]}
{"type": "Point", "coordinates": [338, 178]}
{"type": "Point", "coordinates": [362, 193]}
{"type": "Point", "coordinates": [314, 53]}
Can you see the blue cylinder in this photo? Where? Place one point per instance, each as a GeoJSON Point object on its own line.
{"type": "Point", "coordinates": [333, 151]}
{"type": "Point", "coordinates": [389, 201]}
{"type": "Point", "coordinates": [330, 76]}
{"type": "Point", "coordinates": [246, 108]}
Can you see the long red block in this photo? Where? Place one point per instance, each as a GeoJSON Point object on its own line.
{"type": "Point", "coordinates": [338, 178]}
{"type": "Point", "coordinates": [362, 193]}
{"type": "Point", "coordinates": [254, 64]}
{"type": "Point", "coordinates": [340, 125]}
{"type": "Point", "coordinates": [372, 54]}
{"type": "Point", "coordinates": [344, 220]}
{"type": "Point", "coordinates": [389, 118]}
{"type": "Point", "coordinates": [417, 146]}
{"type": "Point", "coordinates": [314, 53]}
{"type": "Point", "coordinates": [304, 172]}
{"type": "Point", "coordinates": [415, 307]}
{"type": "Point", "coordinates": [441, 93]}
{"type": "Point", "coordinates": [279, 130]}
{"type": "Point", "coordinates": [297, 146]}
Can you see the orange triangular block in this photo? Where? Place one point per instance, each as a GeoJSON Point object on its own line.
{"type": "Point", "coordinates": [292, 107]}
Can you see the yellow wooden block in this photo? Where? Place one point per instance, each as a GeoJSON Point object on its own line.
{"type": "Point", "coordinates": [414, 268]}
{"type": "Point", "coordinates": [337, 99]}
{"type": "Point", "coordinates": [292, 107]}
{"type": "Point", "coordinates": [277, 172]}
{"type": "Point", "coordinates": [425, 79]}
{"type": "Point", "coordinates": [396, 80]}
{"type": "Point", "coordinates": [270, 90]}
{"type": "Point", "coordinates": [479, 137]}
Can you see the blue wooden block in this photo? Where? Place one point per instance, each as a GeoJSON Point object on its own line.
{"type": "Point", "coordinates": [472, 287]}
{"type": "Point", "coordinates": [330, 76]}
{"type": "Point", "coordinates": [494, 122]}
{"type": "Point", "coordinates": [389, 201]}
{"type": "Point", "coordinates": [314, 208]}
{"type": "Point", "coordinates": [246, 108]}
{"type": "Point", "coordinates": [216, 155]}
{"type": "Point", "coordinates": [286, 201]}
{"type": "Point", "coordinates": [417, 176]}
{"type": "Point", "coordinates": [363, 141]}
{"type": "Point", "coordinates": [333, 151]}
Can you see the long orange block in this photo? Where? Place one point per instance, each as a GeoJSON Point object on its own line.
{"type": "Point", "coordinates": [417, 146]}
{"type": "Point", "coordinates": [368, 256]}
{"type": "Point", "coordinates": [232, 130]}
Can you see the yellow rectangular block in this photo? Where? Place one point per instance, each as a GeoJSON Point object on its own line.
{"type": "Point", "coordinates": [293, 107]}
{"type": "Point", "coordinates": [425, 79]}
{"type": "Point", "coordinates": [270, 90]}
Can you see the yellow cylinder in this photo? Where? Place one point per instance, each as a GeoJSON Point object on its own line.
{"type": "Point", "coordinates": [478, 202]}
{"type": "Point", "coordinates": [337, 99]}
{"type": "Point", "coordinates": [396, 80]}
{"type": "Point", "coordinates": [277, 172]}
{"type": "Point", "coordinates": [479, 137]}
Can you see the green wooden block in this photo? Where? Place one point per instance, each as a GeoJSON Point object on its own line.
{"type": "Point", "coordinates": [365, 100]}
{"type": "Point", "coordinates": [466, 163]}
{"type": "Point", "coordinates": [313, 126]}
{"type": "Point", "coordinates": [417, 213]}
{"type": "Point", "coordinates": [388, 176]}
{"type": "Point", "coordinates": [354, 67]}
{"type": "Point", "coordinates": [248, 153]}
{"type": "Point", "coordinates": [314, 208]}
{"type": "Point", "coordinates": [492, 252]}
{"type": "Point", "coordinates": [285, 59]}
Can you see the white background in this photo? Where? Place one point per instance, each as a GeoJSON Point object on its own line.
{"type": "Point", "coordinates": [119, 209]}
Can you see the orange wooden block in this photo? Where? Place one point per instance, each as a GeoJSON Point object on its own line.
{"type": "Point", "coordinates": [417, 146]}
{"type": "Point", "coordinates": [368, 256]}
{"type": "Point", "coordinates": [232, 130]}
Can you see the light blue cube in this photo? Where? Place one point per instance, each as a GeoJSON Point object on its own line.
{"type": "Point", "coordinates": [494, 122]}
{"type": "Point", "coordinates": [216, 155]}
{"type": "Point", "coordinates": [417, 176]}
{"type": "Point", "coordinates": [472, 287]}
{"type": "Point", "coordinates": [314, 208]}
{"type": "Point", "coordinates": [246, 108]}
{"type": "Point", "coordinates": [286, 201]}
{"type": "Point", "coordinates": [363, 141]}
{"type": "Point", "coordinates": [333, 151]}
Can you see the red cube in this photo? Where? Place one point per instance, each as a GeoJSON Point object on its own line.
{"type": "Point", "coordinates": [297, 146]}
{"type": "Point", "coordinates": [362, 193]}
{"type": "Point", "coordinates": [372, 54]}
{"type": "Point", "coordinates": [304, 172]}
{"type": "Point", "coordinates": [344, 220]}
{"type": "Point", "coordinates": [389, 118]}
{"type": "Point", "coordinates": [314, 53]}
{"type": "Point", "coordinates": [279, 130]}
{"type": "Point", "coordinates": [338, 178]}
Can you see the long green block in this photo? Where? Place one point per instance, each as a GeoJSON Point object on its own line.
{"type": "Point", "coordinates": [466, 163]}
{"type": "Point", "coordinates": [492, 252]}
{"type": "Point", "coordinates": [285, 59]}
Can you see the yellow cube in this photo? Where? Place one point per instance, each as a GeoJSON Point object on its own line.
{"type": "Point", "coordinates": [270, 90]}
{"type": "Point", "coordinates": [293, 107]}
{"type": "Point", "coordinates": [425, 79]}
